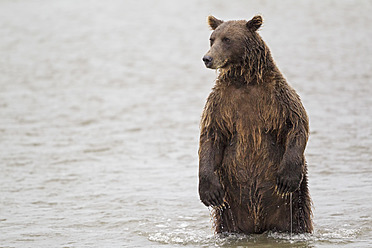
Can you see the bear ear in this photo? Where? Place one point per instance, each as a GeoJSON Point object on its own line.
{"type": "Point", "coordinates": [213, 22]}
{"type": "Point", "coordinates": [255, 23]}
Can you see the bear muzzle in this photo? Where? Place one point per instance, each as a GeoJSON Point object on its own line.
{"type": "Point", "coordinates": [208, 61]}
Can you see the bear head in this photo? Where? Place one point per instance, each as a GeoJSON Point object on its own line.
{"type": "Point", "coordinates": [232, 41]}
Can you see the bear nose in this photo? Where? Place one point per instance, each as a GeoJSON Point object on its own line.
{"type": "Point", "coordinates": [207, 60]}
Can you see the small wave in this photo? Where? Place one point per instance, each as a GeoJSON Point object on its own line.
{"type": "Point", "coordinates": [97, 150]}
{"type": "Point", "coordinates": [182, 237]}
{"type": "Point", "coordinates": [179, 231]}
{"type": "Point", "coordinates": [341, 235]}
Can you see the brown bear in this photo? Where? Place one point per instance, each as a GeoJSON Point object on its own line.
{"type": "Point", "coordinates": [254, 131]}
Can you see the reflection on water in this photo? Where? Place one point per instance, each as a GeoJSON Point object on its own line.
{"type": "Point", "coordinates": [100, 105]}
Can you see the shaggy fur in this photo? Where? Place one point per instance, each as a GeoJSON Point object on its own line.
{"type": "Point", "coordinates": [254, 131]}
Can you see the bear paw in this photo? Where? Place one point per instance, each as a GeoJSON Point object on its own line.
{"type": "Point", "coordinates": [287, 183]}
{"type": "Point", "coordinates": [211, 192]}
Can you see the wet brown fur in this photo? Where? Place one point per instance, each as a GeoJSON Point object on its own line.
{"type": "Point", "coordinates": [254, 131]}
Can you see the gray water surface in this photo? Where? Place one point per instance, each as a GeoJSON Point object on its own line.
{"type": "Point", "coordinates": [100, 104]}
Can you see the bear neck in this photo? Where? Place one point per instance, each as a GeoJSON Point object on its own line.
{"type": "Point", "coordinates": [256, 69]}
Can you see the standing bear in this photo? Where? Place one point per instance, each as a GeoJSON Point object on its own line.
{"type": "Point", "coordinates": [254, 131]}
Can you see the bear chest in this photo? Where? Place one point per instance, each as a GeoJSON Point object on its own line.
{"type": "Point", "coordinates": [242, 108]}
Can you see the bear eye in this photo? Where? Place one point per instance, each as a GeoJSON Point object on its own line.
{"type": "Point", "coordinates": [226, 40]}
{"type": "Point", "coordinates": [211, 40]}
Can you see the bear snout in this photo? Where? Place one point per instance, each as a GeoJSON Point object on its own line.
{"type": "Point", "coordinates": [208, 61]}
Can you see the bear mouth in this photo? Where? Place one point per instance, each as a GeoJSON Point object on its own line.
{"type": "Point", "coordinates": [222, 65]}
{"type": "Point", "coordinates": [225, 63]}
{"type": "Point", "coordinates": [217, 64]}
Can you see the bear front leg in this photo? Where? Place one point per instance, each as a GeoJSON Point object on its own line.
{"type": "Point", "coordinates": [291, 169]}
{"type": "Point", "coordinates": [210, 156]}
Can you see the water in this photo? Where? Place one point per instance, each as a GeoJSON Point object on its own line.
{"type": "Point", "coordinates": [100, 104]}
